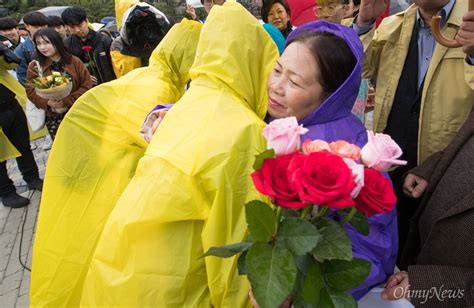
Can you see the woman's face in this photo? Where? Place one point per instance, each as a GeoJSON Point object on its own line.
{"type": "Point", "coordinates": [293, 86]}
{"type": "Point", "coordinates": [45, 47]}
{"type": "Point", "coordinates": [278, 16]}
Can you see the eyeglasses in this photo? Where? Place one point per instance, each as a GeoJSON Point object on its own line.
{"type": "Point", "coordinates": [330, 10]}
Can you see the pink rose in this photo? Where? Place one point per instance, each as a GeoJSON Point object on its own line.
{"type": "Point", "coordinates": [315, 146]}
{"type": "Point", "coordinates": [358, 173]}
{"type": "Point", "coordinates": [381, 152]}
{"type": "Point", "coordinates": [345, 149]}
{"type": "Point", "coordinates": [283, 135]}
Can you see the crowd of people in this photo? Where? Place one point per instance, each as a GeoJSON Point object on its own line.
{"type": "Point", "coordinates": [201, 92]}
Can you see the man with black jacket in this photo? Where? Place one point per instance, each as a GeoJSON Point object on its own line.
{"type": "Point", "coordinates": [13, 124]}
{"type": "Point", "coordinates": [91, 47]}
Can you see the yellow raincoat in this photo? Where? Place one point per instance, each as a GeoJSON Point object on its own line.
{"type": "Point", "coordinates": [13, 85]}
{"type": "Point", "coordinates": [189, 190]}
{"type": "Point", "coordinates": [7, 149]}
{"type": "Point", "coordinates": [121, 6]}
{"type": "Point", "coordinates": [94, 156]}
{"type": "Point", "coordinates": [123, 64]}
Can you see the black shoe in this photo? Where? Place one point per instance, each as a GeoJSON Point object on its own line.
{"type": "Point", "coordinates": [36, 184]}
{"type": "Point", "coordinates": [14, 200]}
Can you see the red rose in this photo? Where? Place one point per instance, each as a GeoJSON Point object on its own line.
{"type": "Point", "coordinates": [376, 197]}
{"type": "Point", "coordinates": [86, 48]}
{"type": "Point", "coordinates": [272, 180]}
{"type": "Point", "coordinates": [322, 178]}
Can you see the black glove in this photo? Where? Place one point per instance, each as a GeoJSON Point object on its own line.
{"type": "Point", "coordinates": [8, 54]}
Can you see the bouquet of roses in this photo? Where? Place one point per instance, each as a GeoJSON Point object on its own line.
{"type": "Point", "coordinates": [298, 247]}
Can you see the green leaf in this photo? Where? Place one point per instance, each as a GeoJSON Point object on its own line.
{"type": "Point", "coordinates": [261, 220]}
{"type": "Point", "coordinates": [271, 272]}
{"type": "Point", "coordinates": [334, 244]}
{"type": "Point", "coordinates": [241, 263]}
{"type": "Point", "coordinates": [257, 165]}
{"type": "Point", "coordinates": [335, 299]}
{"type": "Point", "coordinates": [358, 222]}
{"type": "Point", "coordinates": [313, 284]}
{"type": "Point", "coordinates": [298, 235]}
{"type": "Point", "coordinates": [345, 275]}
{"type": "Point", "coordinates": [229, 250]}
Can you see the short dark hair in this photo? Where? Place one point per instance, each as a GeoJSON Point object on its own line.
{"type": "Point", "coordinates": [36, 19]}
{"type": "Point", "coordinates": [8, 23]}
{"type": "Point", "coordinates": [267, 5]}
{"type": "Point", "coordinates": [356, 2]}
{"type": "Point", "coordinates": [55, 21]}
{"type": "Point", "coordinates": [333, 55]}
{"type": "Point", "coordinates": [74, 15]}
{"type": "Point", "coordinates": [55, 39]}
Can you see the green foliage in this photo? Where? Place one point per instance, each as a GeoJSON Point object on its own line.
{"type": "Point", "coordinates": [261, 220]}
{"type": "Point", "coordinates": [272, 273]}
{"type": "Point", "coordinates": [336, 299]}
{"type": "Point", "coordinates": [257, 165]}
{"type": "Point", "coordinates": [283, 256]}
{"type": "Point", "coordinates": [298, 235]}
{"type": "Point", "coordinates": [229, 250]}
{"type": "Point", "coordinates": [358, 222]}
{"type": "Point", "coordinates": [334, 244]}
{"type": "Point", "coordinates": [313, 284]}
{"type": "Point", "coordinates": [345, 275]}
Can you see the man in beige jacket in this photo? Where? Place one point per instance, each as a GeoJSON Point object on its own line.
{"type": "Point", "coordinates": [423, 89]}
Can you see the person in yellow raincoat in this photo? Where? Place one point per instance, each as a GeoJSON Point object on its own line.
{"type": "Point", "coordinates": [143, 27]}
{"type": "Point", "coordinates": [14, 135]}
{"type": "Point", "coordinates": [189, 190]}
{"type": "Point", "coordinates": [93, 159]}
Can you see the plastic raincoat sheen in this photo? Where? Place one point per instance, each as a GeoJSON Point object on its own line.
{"type": "Point", "coordinates": [189, 190]}
{"type": "Point", "coordinates": [93, 159]}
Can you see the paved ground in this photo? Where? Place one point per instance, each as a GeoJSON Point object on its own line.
{"type": "Point", "coordinates": [14, 279]}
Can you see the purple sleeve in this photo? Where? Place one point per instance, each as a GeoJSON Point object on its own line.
{"type": "Point", "coordinates": [158, 107]}
{"type": "Point", "coordinates": [379, 248]}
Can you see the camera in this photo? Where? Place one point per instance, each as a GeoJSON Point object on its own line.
{"type": "Point", "coordinates": [8, 54]}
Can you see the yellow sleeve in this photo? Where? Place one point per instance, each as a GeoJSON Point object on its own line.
{"type": "Point", "coordinates": [372, 49]}
{"type": "Point", "coordinates": [123, 64]}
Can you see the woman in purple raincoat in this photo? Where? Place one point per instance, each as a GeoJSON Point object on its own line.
{"type": "Point", "coordinates": [317, 80]}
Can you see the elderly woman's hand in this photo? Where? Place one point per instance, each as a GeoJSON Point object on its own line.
{"type": "Point", "coordinates": [397, 287]}
{"type": "Point", "coordinates": [151, 124]}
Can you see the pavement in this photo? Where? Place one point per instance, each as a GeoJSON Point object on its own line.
{"type": "Point", "coordinates": [19, 225]}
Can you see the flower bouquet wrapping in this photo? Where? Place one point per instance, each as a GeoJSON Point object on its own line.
{"type": "Point", "coordinates": [297, 249]}
{"type": "Point", "coordinates": [53, 87]}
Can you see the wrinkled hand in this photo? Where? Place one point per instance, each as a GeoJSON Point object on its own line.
{"type": "Point", "coordinates": [94, 80]}
{"type": "Point", "coordinates": [55, 104]}
{"type": "Point", "coordinates": [191, 11]}
{"type": "Point", "coordinates": [397, 287]}
{"type": "Point", "coordinates": [414, 186]}
{"type": "Point", "coordinates": [152, 123]}
{"type": "Point", "coordinates": [369, 10]}
{"type": "Point", "coordinates": [370, 99]}
{"type": "Point", "coordinates": [465, 35]}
